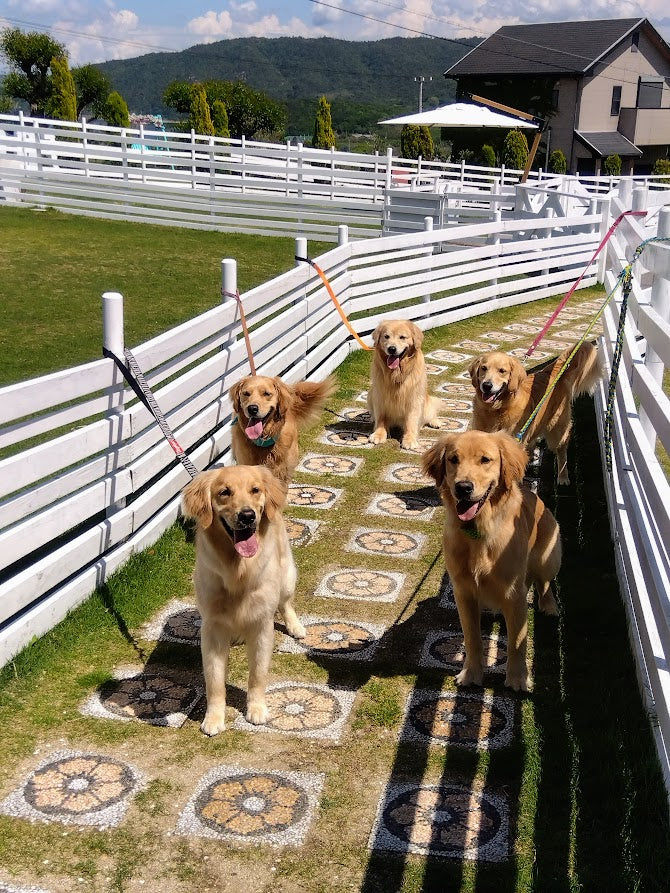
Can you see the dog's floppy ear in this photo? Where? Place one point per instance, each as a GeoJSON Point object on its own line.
{"type": "Point", "coordinates": [196, 499]}
{"type": "Point", "coordinates": [234, 394]}
{"type": "Point", "coordinates": [516, 376]}
{"type": "Point", "coordinates": [473, 369]}
{"type": "Point", "coordinates": [417, 335]}
{"type": "Point", "coordinates": [432, 461]}
{"type": "Point", "coordinates": [284, 398]}
{"type": "Point", "coordinates": [513, 458]}
{"type": "Point", "coordinates": [376, 335]}
{"type": "Point", "coordinates": [275, 492]}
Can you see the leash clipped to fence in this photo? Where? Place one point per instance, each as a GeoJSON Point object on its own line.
{"type": "Point", "coordinates": [135, 378]}
{"type": "Point", "coordinates": [567, 297]}
{"type": "Point", "coordinates": [236, 296]}
{"type": "Point", "coordinates": [333, 298]}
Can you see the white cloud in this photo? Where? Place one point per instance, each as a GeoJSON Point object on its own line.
{"type": "Point", "coordinates": [212, 25]}
{"type": "Point", "coordinates": [125, 18]}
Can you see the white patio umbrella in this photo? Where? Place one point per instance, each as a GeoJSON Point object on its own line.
{"type": "Point", "coordinates": [461, 114]}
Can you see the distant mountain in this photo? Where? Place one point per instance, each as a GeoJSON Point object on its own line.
{"type": "Point", "coordinates": [363, 81]}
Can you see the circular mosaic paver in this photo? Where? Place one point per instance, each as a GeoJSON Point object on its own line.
{"type": "Point", "coordinates": [407, 474]}
{"type": "Point", "coordinates": [299, 531]}
{"type": "Point", "coordinates": [335, 638]}
{"type": "Point", "coordinates": [341, 465]}
{"type": "Point", "coordinates": [361, 585]}
{"type": "Point", "coordinates": [434, 369]}
{"type": "Point", "coordinates": [447, 820]}
{"type": "Point", "coordinates": [252, 806]}
{"type": "Point", "coordinates": [445, 649]}
{"type": "Point", "coordinates": [151, 697]}
{"type": "Point", "coordinates": [387, 542]}
{"type": "Point", "coordinates": [405, 506]}
{"type": "Point", "coordinates": [347, 438]}
{"type": "Point", "coordinates": [183, 626]}
{"type": "Point", "coordinates": [452, 405]}
{"type": "Point", "coordinates": [308, 496]}
{"type": "Point", "coordinates": [302, 708]}
{"type": "Point", "coordinates": [476, 721]}
{"type": "Point", "coordinates": [357, 415]}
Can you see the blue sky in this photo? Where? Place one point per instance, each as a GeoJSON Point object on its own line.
{"type": "Point", "coordinates": [98, 30]}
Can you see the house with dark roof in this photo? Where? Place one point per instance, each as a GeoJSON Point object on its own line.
{"type": "Point", "coordinates": [603, 86]}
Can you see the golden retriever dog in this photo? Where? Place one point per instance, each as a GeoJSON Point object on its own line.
{"type": "Point", "coordinates": [506, 395]}
{"type": "Point", "coordinates": [269, 416]}
{"type": "Point", "coordinates": [244, 573]}
{"type": "Point", "coordinates": [398, 394]}
{"type": "Point", "coordinates": [499, 538]}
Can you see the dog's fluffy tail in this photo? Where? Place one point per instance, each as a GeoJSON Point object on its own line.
{"type": "Point", "coordinates": [583, 373]}
{"type": "Point", "coordinates": [310, 397]}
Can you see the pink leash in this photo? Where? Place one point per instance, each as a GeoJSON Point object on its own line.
{"type": "Point", "coordinates": [565, 300]}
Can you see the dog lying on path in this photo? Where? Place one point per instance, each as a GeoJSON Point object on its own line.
{"type": "Point", "coordinates": [244, 572]}
{"type": "Point", "coordinates": [499, 538]}
{"type": "Point", "coordinates": [269, 416]}
{"type": "Point", "coordinates": [398, 392]}
{"type": "Point", "coordinates": [506, 395]}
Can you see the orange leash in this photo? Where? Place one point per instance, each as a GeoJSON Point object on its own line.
{"type": "Point", "coordinates": [245, 330]}
{"type": "Point", "coordinates": [333, 298]}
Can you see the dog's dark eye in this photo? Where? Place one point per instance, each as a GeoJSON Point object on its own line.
{"type": "Point", "coordinates": [386, 335]}
{"type": "Point", "coordinates": [224, 492]}
{"type": "Point", "coordinates": [246, 394]}
{"type": "Point", "coordinates": [267, 394]}
{"type": "Point", "coordinates": [255, 489]}
{"type": "Point", "coordinates": [485, 368]}
{"type": "Point", "coordinates": [502, 371]}
{"type": "Point", "coordinates": [403, 337]}
{"type": "Point", "coordinates": [453, 460]}
{"type": "Point", "coordinates": [485, 460]}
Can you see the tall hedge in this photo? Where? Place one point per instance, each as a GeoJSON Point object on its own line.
{"type": "Point", "coordinates": [487, 156]}
{"type": "Point", "coordinates": [416, 141]}
{"type": "Point", "coordinates": [116, 110]}
{"type": "Point", "coordinates": [662, 168]}
{"type": "Point", "coordinates": [515, 150]}
{"type": "Point", "coordinates": [220, 119]}
{"type": "Point", "coordinates": [558, 163]}
{"type": "Point", "coordinates": [62, 102]}
{"type": "Point", "coordinates": [200, 119]}
{"type": "Point", "coordinates": [324, 135]}
{"type": "Point", "coordinates": [612, 165]}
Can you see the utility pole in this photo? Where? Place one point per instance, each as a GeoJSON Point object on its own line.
{"type": "Point", "coordinates": [420, 79]}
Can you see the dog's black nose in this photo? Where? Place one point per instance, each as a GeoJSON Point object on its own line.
{"type": "Point", "coordinates": [392, 350]}
{"type": "Point", "coordinates": [246, 517]}
{"type": "Point", "coordinates": [464, 489]}
{"type": "Point", "coordinates": [487, 386]}
{"type": "Point", "coordinates": [252, 409]}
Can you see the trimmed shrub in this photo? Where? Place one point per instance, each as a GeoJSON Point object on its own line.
{"type": "Point", "coordinates": [662, 167]}
{"type": "Point", "coordinates": [220, 119]}
{"type": "Point", "coordinates": [612, 166]}
{"type": "Point", "coordinates": [558, 163]}
{"type": "Point", "coordinates": [515, 150]}
{"type": "Point", "coordinates": [487, 156]}
{"type": "Point", "coordinates": [62, 103]}
{"type": "Point", "coordinates": [323, 136]}
{"type": "Point", "coordinates": [200, 119]}
{"type": "Point", "coordinates": [116, 110]}
{"type": "Point", "coordinates": [416, 140]}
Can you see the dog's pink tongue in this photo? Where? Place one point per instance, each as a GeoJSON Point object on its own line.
{"type": "Point", "coordinates": [490, 398]}
{"type": "Point", "coordinates": [254, 430]}
{"type": "Point", "coordinates": [247, 548]}
{"type": "Point", "coordinates": [469, 512]}
{"type": "Point", "coordinates": [393, 362]}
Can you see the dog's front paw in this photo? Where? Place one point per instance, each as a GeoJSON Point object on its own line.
{"type": "Point", "coordinates": [433, 423]}
{"type": "Point", "coordinates": [257, 713]}
{"type": "Point", "coordinates": [378, 436]}
{"type": "Point", "coordinates": [296, 629]}
{"type": "Point", "coordinates": [517, 682]}
{"type": "Point", "coordinates": [214, 722]}
{"type": "Point", "coordinates": [469, 676]}
{"type": "Point", "coordinates": [410, 444]}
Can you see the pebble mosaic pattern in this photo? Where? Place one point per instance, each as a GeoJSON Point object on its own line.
{"type": "Point", "coordinates": [307, 496]}
{"type": "Point", "coordinates": [403, 505]}
{"type": "Point", "coordinates": [161, 697]}
{"type": "Point", "coordinates": [502, 336]}
{"type": "Point", "coordinates": [177, 622]}
{"type": "Point", "coordinates": [357, 414]}
{"type": "Point", "coordinates": [341, 437]}
{"type": "Point", "coordinates": [352, 640]}
{"type": "Point", "coordinates": [301, 531]}
{"type": "Point", "coordinates": [435, 369]}
{"type": "Point", "coordinates": [475, 721]}
{"type": "Point", "coordinates": [7, 888]}
{"type": "Point", "coordinates": [75, 789]}
{"type": "Point", "coordinates": [401, 473]}
{"type": "Point", "coordinates": [455, 405]}
{"type": "Point", "coordinates": [444, 649]}
{"type": "Point", "coordinates": [359, 584]}
{"type": "Point", "coordinates": [450, 356]}
{"type": "Point", "coordinates": [305, 709]}
{"type": "Point", "coordinates": [315, 463]}
{"type": "Point", "coordinates": [456, 389]}
{"type": "Point", "coordinates": [386, 542]}
{"type": "Point", "coordinates": [248, 806]}
{"type": "Point", "coordinates": [449, 821]}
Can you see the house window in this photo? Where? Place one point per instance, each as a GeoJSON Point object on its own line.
{"type": "Point", "coordinates": [554, 98]}
{"type": "Point", "coordinates": [635, 41]}
{"type": "Point", "coordinates": [616, 100]}
{"type": "Point", "coordinates": [650, 92]}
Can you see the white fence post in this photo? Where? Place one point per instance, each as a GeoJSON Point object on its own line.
{"type": "Point", "coordinates": [342, 234]}
{"type": "Point", "coordinates": [660, 302]}
{"type": "Point", "coordinates": [389, 166]}
{"type": "Point", "coordinates": [38, 159]}
{"type": "Point", "coordinates": [193, 170]}
{"type": "Point", "coordinates": [84, 142]}
{"type": "Point", "coordinates": [243, 161]}
{"type": "Point", "coordinates": [124, 154]}
{"type": "Point", "coordinates": [113, 341]}
{"type": "Point", "coordinates": [605, 211]}
{"type": "Point", "coordinates": [228, 290]}
{"type": "Point", "coordinates": [428, 228]}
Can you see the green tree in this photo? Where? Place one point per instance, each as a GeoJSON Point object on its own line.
{"type": "Point", "coordinates": [612, 166]}
{"type": "Point", "coordinates": [92, 88]}
{"type": "Point", "coordinates": [662, 168]}
{"type": "Point", "coordinates": [115, 111]}
{"type": "Point", "coordinates": [416, 141]}
{"type": "Point", "coordinates": [488, 156]}
{"type": "Point", "coordinates": [515, 150]}
{"type": "Point", "coordinates": [220, 119]}
{"type": "Point", "coordinates": [558, 163]}
{"type": "Point", "coordinates": [29, 56]}
{"type": "Point", "coordinates": [62, 103]}
{"type": "Point", "coordinates": [200, 119]}
{"type": "Point", "coordinates": [323, 136]}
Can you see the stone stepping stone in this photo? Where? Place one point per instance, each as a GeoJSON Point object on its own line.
{"type": "Point", "coordinates": [457, 390]}
{"type": "Point", "coordinates": [452, 404]}
{"type": "Point", "coordinates": [160, 696]}
{"type": "Point", "coordinates": [400, 505]}
{"type": "Point", "coordinates": [386, 542]}
{"type": "Point", "coordinates": [362, 397]}
{"type": "Point", "coordinates": [318, 463]}
{"type": "Point", "coordinates": [178, 622]}
{"type": "Point", "coordinates": [520, 354]}
{"type": "Point", "coordinates": [449, 356]}
{"type": "Point", "coordinates": [305, 709]}
{"type": "Point", "coordinates": [73, 788]}
{"type": "Point", "coordinates": [425, 443]}
{"type": "Point", "coordinates": [554, 345]}
{"type": "Point", "coordinates": [502, 336]}
{"type": "Point", "coordinates": [301, 531]}
{"type": "Point", "coordinates": [7, 888]}
{"type": "Point", "coordinates": [443, 649]}
{"type": "Point", "coordinates": [446, 594]}
{"type": "Point", "coordinates": [571, 335]}
{"type": "Point", "coordinates": [308, 496]}
{"type": "Point", "coordinates": [403, 473]}
{"type": "Point", "coordinates": [477, 721]}
{"type": "Point", "coordinates": [356, 414]}
{"type": "Point", "coordinates": [453, 821]}
{"type": "Point", "coordinates": [359, 584]}
{"type": "Point", "coordinates": [348, 639]}
{"type": "Point", "coordinates": [523, 328]}
{"type": "Point", "coordinates": [477, 346]}
{"type": "Point", "coordinates": [435, 369]}
{"type": "Point", "coordinates": [344, 437]}
{"type": "Point", "coordinates": [249, 806]}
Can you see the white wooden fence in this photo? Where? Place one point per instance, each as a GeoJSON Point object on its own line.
{"type": "Point", "coordinates": [637, 489]}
